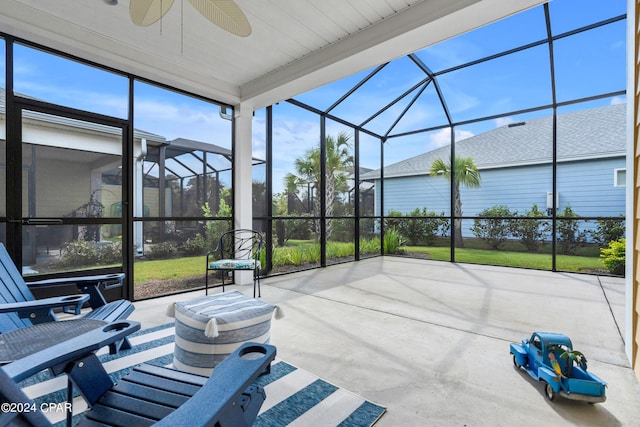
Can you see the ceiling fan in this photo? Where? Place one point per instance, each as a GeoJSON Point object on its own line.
{"type": "Point", "coordinates": [224, 13]}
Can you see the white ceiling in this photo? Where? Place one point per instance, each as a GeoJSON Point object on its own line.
{"type": "Point", "coordinates": [295, 45]}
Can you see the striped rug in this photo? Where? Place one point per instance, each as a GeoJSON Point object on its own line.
{"type": "Point", "coordinates": [294, 396]}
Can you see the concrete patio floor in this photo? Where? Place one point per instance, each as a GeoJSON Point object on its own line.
{"type": "Point", "coordinates": [430, 340]}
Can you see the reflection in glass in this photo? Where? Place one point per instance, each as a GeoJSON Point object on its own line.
{"type": "Point", "coordinates": [73, 84]}
{"type": "Point", "coordinates": [62, 248]}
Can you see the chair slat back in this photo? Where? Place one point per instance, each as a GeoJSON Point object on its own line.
{"type": "Point", "coordinates": [12, 289]}
{"type": "Point", "coordinates": [240, 244]}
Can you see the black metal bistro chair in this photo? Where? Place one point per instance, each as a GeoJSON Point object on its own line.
{"type": "Point", "coordinates": [237, 250]}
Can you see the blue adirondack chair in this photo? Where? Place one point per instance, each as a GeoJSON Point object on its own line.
{"type": "Point", "coordinates": [148, 394]}
{"type": "Point", "coordinates": [28, 324]}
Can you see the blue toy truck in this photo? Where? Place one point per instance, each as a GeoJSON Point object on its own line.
{"type": "Point", "coordinates": [550, 358]}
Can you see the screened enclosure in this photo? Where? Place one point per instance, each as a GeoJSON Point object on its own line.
{"type": "Point", "coordinates": [503, 146]}
{"type": "Point", "coordinates": [531, 108]}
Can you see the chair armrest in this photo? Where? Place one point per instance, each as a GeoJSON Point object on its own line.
{"type": "Point", "coordinates": [217, 402]}
{"type": "Point", "coordinates": [40, 310]}
{"type": "Point", "coordinates": [73, 349]}
{"type": "Point", "coordinates": [86, 284]}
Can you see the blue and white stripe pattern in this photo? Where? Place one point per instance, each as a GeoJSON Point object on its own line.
{"type": "Point", "coordinates": [209, 328]}
{"type": "Point", "coordinates": [295, 397]}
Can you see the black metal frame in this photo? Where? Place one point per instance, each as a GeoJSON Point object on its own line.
{"type": "Point", "coordinates": [235, 245]}
{"type": "Point", "coordinates": [432, 78]}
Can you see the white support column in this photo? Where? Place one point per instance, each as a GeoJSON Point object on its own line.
{"type": "Point", "coordinates": [242, 164]}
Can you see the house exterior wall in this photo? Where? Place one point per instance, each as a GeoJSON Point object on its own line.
{"type": "Point", "coordinates": [587, 186]}
{"type": "Point", "coordinates": [632, 322]}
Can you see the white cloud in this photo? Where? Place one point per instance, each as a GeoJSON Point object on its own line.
{"type": "Point", "coordinates": [618, 100]}
{"type": "Point", "coordinates": [442, 137]}
{"type": "Point", "coordinates": [504, 121]}
{"type": "Point", "coordinates": [463, 134]}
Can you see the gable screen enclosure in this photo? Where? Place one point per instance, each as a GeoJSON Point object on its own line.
{"type": "Point", "coordinates": [502, 146]}
{"type": "Point", "coordinates": [532, 110]}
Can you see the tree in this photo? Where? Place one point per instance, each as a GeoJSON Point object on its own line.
{"type": "Point", "coordinates": [466, 173]}
{"type": "Point", "coordinates": [307, 172]}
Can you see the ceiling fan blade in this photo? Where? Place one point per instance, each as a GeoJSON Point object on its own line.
{"type": "Point", "coordinates": [224, 13]}
{"type": "Point", "coordinates": [146, 12]}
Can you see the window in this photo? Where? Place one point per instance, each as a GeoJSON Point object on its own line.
{"type": "Point", "coordinates": [619, 177]}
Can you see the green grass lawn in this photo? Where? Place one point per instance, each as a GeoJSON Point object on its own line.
{"type": "Point", "coordinates": [166, 269]}
{"type": "Point", "coordinates": [181, 268]}
{"type": "Point", "coordinates": [513, 259]}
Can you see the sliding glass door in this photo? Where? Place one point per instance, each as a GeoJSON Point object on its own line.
{"type": "Point", "coordinates": [66, 166]}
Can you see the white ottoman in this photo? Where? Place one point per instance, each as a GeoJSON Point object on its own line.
{"type": "Point", "coordinates": [209, 328]}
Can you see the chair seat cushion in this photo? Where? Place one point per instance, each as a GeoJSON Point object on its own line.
{"type": "Point", "coordinates": [209, 328]}
{"type": "Point", "coordinates": [234, 264]}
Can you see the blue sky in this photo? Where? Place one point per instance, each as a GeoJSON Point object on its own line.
{"type": "Point", "coordinates": [586, 64]}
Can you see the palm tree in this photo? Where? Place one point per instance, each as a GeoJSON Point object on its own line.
{"type": "Point", "coordinates": [338, 160]}
{"type": "Point", "coordinates": [467, 174]}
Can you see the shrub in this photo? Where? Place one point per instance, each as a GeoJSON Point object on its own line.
{"type": "Point", "coordinates": [194, 246]}
{"type": "Point", "coordinates": [312, 253]}
{"type": "Point", "coordinates": [529, 230]}
{"type": "Point", "coordinates": [162, 250]}
{"type": "Point", "coordinates": [370, 246]}
{"type": "Point", "coordinates": [392, 241]}
{"type": "Point", "coordinates": [342, 230]}
{"type": "Point", "coordinates": [570, 238]}
{"type": "Point", "coordinates": [608, 230]}
{"type": "Point", "coordinates": [213, 229]}
{"type": "Point", "coordinates": [613, 257]}
{"type": "Point", "coordinates": [418, 226]}
{"type": "Point", "coordinates": [83, 253]}
{"type": "Point", "coordinates": [79, 253]}
{"type": "Point", "coordinates": [339, 249]}
{"type": "Point", "coordinates": [110, 252]}
{"type": "Point", "coordinates": [495, 229]}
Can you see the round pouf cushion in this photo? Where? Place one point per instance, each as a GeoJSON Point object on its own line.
{"type": "Point", "coordinates": [209, 328]}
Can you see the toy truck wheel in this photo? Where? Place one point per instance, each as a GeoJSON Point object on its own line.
{"type": "Point", "coordinates": [515, 362]}
{"type": "Point", "coordinates": [549, 392]}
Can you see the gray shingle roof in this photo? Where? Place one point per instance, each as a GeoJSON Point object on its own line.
{"type": "Point", "coordinates": [594, 133]}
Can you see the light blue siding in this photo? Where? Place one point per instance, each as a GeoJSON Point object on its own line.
{"type": "Point", "coordinates": [588, 186]}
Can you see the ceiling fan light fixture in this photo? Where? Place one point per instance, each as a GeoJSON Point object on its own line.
{"type": "Point", "coordinates": [224, 13]}
{"type": "Point", "coordinates": [146, 12]}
